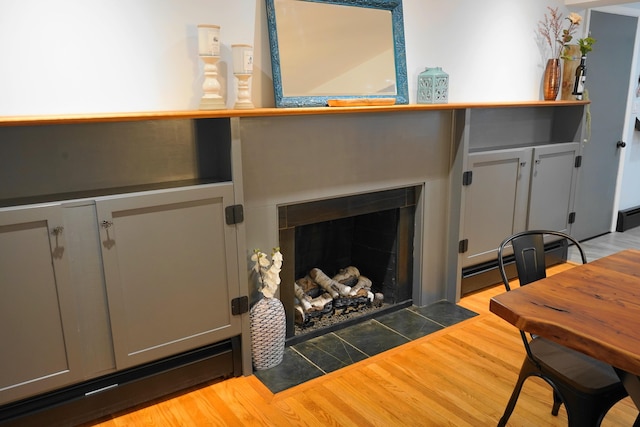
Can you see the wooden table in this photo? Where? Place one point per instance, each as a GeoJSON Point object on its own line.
{"type": "Point", "coordinates": [593, 308]}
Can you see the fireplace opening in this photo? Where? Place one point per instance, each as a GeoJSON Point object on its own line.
{"type": "Point", "coordinates": [347, 259]}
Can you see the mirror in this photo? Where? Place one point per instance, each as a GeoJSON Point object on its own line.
{"type": "Point", "coordinates": [323, 50]}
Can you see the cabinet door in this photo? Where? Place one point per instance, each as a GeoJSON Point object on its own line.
{"type": "Point", "coordinates": [495, 203]}
{"type": "Point", "coordinates": [552, 184]}
{"type": "Point", "coordinates": [171, 270]}
{"type": "Point", "coordinates": [38, 328]}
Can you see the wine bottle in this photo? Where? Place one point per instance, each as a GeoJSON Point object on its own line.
{"type": "Point", "coordinates": [581, 76]}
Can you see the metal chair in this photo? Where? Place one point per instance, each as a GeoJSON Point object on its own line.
{"type": "Point", "coordinates": [587, 387]}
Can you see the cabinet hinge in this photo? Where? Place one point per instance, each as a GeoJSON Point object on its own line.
{"type": "Point", "coordinates": [467, 177]}
{"type": "Point", "coordinates": [234, 214]}
{"type": "Point", "coordinates": [463, 246]}
{"type": "Point", "coordinates": [239, 305]}
{"type": "Point", "coordinates": [572, 217]}
{"type": "Point", "coordinates": [578, 162]}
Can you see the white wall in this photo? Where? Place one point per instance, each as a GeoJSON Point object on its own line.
{"type": "Point", "coordinates": [628, 195]}
{"type": "Point", "coordinates": [630, 177]}
{"type": "Point", "coordinates": [76, 56]}
{"type": "Point", "coordinates": [490, 48]}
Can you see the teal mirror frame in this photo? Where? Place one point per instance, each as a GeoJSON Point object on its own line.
{"type": "Point", "coordinates": [397, 19]}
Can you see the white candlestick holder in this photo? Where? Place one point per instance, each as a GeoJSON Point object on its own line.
{"type": "Point", "coordinates": [242, 69]}
{"type": "Point", "coordinates": [243, 98]}
{"type": "Point", "coordinates": [211, 100]}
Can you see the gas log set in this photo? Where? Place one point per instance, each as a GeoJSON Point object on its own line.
{"type": "Point", "coordinates": [319, 295]}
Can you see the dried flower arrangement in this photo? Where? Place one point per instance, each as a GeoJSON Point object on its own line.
{"type": "Point", "coordinates": [551, 30]}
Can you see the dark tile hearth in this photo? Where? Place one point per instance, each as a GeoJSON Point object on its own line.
{"type": "Point", "coordinates": [330, 352]}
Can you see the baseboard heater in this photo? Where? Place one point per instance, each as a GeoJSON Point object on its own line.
{"type": "Point", "coordinates": [487, 274]}
{"type": "Point", "coordinates": [628, 218]}
{"type": "Point", "coordinates": [100, 397]}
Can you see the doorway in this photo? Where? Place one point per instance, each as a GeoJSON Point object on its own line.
{"type": "Point", "coordinates": [608, 76]}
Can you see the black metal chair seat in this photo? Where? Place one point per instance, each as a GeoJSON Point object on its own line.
{"type": "Point", "coordinates": [580, 371]}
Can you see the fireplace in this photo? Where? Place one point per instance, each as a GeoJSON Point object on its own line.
{"type": "Point", "coordinates": [373, 232]}
{"type": "Point", "coordinates": [309, 157]}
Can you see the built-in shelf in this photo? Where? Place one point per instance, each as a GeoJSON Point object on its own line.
{"type": "Point", "coordinates": [72, 160]}
{"type": "Point", "coordinates": [261, 112]}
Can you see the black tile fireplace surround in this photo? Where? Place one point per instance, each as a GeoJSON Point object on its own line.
{"type": "Point", "coordinates": [372, 231]}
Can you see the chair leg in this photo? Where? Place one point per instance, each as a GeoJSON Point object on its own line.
{"type": "Point", "coordinates": [556, 403]}
{"type": "Point", "coordinates": [512, 402]}
{"type": "Point", "coordinates": [525, 371]}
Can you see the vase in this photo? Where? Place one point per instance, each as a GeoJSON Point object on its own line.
{"type": "Point", "coordinates": [268, 330]}
{"type": "Point", "coordinates": [551, 81]}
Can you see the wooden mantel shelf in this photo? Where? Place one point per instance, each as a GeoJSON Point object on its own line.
{"type": "Point", "coordinates": [260, 112]}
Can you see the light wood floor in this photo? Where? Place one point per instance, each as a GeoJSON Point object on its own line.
{"type": "Point", "coordinates": [460, 376]}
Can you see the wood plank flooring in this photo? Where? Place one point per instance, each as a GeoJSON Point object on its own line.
{"type": "Point", "coordinates": [460, 376]}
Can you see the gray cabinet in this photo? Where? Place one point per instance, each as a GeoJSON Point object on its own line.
{"type": "Point", "coordinates": [495, 201]}
{"type": "Point", "coordinates": [170, 264]}
{"type": "Point", "coordinates": [553, 182]}
{"type": "Point", "coordinates": [39, 339]}
{"type": "Point", "coordinates": [513, 190]}
{"type": "Point", "coordinates": [99, 285]}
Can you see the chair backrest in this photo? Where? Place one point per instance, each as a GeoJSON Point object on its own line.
{"type": "Point", "coordinates": [529, 255]}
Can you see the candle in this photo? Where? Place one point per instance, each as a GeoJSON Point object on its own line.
{"type": "Point", "coordinates": [209, 40]}
{"type": "Point", "coordinates": [242, 58]}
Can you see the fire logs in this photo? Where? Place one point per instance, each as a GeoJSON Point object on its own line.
{"type": "Point", "coordinates": [318, 294]}
{"type": "Point", "coordinates": [347, 276]}
{"type": "Point", "coordinates": [334, 287]}
{"type": "Point", "coordinates": [303, 300]}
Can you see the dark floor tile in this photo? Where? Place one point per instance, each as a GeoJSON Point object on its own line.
{"type": "Point", "coordinates": [329, 352]}
{"type": "Point", "coordinates": [409, 323]}
{"type": "Point", "coordinates": [293, 370]}
{"type": "Point", "coordinates": [371, 337]}
{"type": "Point", "coordinates": [333, 351]}
{"type": "Point", "coordinates": [445, 313]}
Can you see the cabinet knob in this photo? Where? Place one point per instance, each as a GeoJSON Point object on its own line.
{"type": "Point", "coordinates": [621, 144]}
{"type": "Point", "coordinates": [107, 224]}
{"type": "Point", "coordinates": [57, 231]}
{"type": "Point", "coordinates": [523, 164]}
